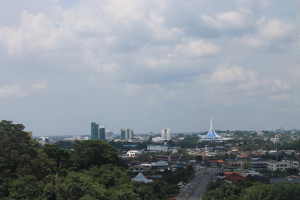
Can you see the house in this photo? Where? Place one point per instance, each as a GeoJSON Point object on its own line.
{"type": "Point", "coordinates": [136, 168]}
{"type": "Point", "coordinates": [160, 163]}
{"type": "Point", "coordinates": [233, 177]}
{"type": "Point", "coordinates": [141, 178]}
{"type": "Point", "coordinates": [133, 153]}
{"type": "Point", "coordinates": [216, 163]}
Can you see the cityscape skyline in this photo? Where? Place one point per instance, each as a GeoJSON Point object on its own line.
{"type": "Point", "coordinates": [149, 65]}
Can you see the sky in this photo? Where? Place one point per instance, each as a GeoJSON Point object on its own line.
{"type": "Point", "coordinates": [149, 65]}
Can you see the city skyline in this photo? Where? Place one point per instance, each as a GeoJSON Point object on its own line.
{"type": "Point", "coordinates": [149, 65]}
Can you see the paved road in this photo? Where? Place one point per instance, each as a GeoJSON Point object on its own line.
{"type": "Point", "coordinates": [185, 191]}
{"type": "Point", "coordinates": [200, 190]}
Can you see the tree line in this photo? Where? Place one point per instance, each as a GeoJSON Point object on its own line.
{"type": "Point", "coordinates": [91, 170]}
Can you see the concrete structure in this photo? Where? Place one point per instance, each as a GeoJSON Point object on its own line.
{"type": "Point", "coordinates": [127, 134]}
{"type": "Point", "coordinates": [160, 163]}
{"type": "Point", "coordinates": [133, 153]}
{"type": "Point", "coordinates": [102, 133]}
{"type": "Point", "coordinates": [283, 165]}
{"type": "Point", "coordinates": [141, 178]}
{"type": "Point", "coordinates": [258, 165]}
{"type": "Point", "coordinates": [109, 134]}
{"type": "Point", "coordinates": [94, 131]}
{"type": "Point", "coordinates": [123, 133]}
{"type": "Point", "coordinates": [166, 134]}
{"type": "Point", "coordinates": [157, 148]}
{"type": "Point", "coordinates": [211, 135]}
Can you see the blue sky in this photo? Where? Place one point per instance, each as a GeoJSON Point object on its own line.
{"type": "Point", "coordinates": [149, 65]}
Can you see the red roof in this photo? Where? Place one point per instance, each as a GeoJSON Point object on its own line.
{"type": "Point", "coordinates": [234, 177]}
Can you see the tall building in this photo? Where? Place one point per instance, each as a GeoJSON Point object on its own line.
{"type": "Point", "coordinates": [109, 134]}
{"type": "Point", "coordinates": [94, 131]}
{"type": "Point", "coordinates": [127, 134]}
{"type": "Point", "coordinates": [166, 134]}
{"type": "Point", "coordinates": [123, 134]}
{"type": "Point", "coordinates": [102, 133]}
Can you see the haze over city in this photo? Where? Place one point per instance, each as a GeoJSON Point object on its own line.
{"type": "Point", "coordinates": [149, 65]}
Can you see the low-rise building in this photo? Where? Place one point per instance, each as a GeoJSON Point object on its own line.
{"type": "Point", "coordinates": [133, 153]}
{"type": "Point", "coordinates": [158, 148]}
{"type": "Point", "coordinates": [141, 178]}
{"type": "Point", "coordinates": [233, 177]}
{"type": "Point", "coordinates": [160, 163]}
{"type": "Point", "coordinates": [283, 165]}
{"type": "Point", "coordinates": [258, 165]}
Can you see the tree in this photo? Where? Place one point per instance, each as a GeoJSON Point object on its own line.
{"type": "Point", "coordinates": [93, 152]}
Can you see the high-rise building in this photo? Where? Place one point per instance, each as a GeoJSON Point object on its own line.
{"type": "Point", "coordinates": [109, 134]}
{"type": "Point", "coordinates": [127, 134]}
{"type": "Point", "coordinates": [94, 131]}
{"type": "Point", "coordinates": [102, 133]}
{"type": "Point", "coordinates": [123, 134]}
{"type": "Point", "coordinates": [166, 134]}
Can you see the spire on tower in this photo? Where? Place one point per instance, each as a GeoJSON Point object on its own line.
{"type": "Point", "coordinates": [211, 126]}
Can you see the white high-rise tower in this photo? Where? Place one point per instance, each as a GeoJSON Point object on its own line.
{"type": "Point", "coordinates": [166, 134]}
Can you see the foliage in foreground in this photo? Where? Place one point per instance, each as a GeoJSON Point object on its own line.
{"type": "Point", "coordinates": [247, 190]}
{"type": "Point", "coordinates": [91, 171]}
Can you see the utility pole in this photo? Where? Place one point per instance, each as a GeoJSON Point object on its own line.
{"type": "Point", "coordinates": [276, 151]}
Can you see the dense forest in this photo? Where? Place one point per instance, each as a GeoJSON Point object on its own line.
{"type": "Point", "coordinates": [250, 190]}
{"type": "Point", "coordinates": [92, 170]}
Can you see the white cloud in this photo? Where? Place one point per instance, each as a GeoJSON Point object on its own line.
{"type": "Point", "coordinates": [227, 20]}
{"type": "Point", "coordinates": [39, 86]}
{"type": "Point", "coordinates": [195, 48]}
{"type": "Point", "coordinates": [12, 91]}
{"type": "Point", "coordinates": [268, 32]}
{"type": "Point", "coordinates": [35, 32]}
{"type": "Point", "coordinates": [273, 29]}
{"type": "Point", "coordinates": [225, 75]}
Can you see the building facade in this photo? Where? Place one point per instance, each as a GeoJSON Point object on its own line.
{"type": "Point", "coordinates": [157, 148]}
{"type": "Point", "coordinates": [127, 134]}
{"type": "Point", "coordinates": [94, 131]}
{"type": "Point", "coordinates": [283, 165]}
{"type": "Point", "coordinates": [166, 134]}
{"type": "Point", "coordinates": [102, 133]}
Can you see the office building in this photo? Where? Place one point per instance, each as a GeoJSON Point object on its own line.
{"type": "Point", "coordinates": [123, 134]}
{"type": "Point", "coordinates": [102, 133]}
{"type": "Point", "coordinates": [166, 134]}
{"type": "Point", "coordinates": [94, 131]}
{"type": "Point", "coordinates": [109, 134]}
{"type": "Point", "coordinates": [127, 134]}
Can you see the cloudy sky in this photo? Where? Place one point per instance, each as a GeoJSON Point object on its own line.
{"type": "Point", "coordinates": [149, 65]}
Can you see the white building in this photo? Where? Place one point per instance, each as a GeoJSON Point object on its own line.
{"type": "Point", "coordinates": [160, 163]}
{"type": "Point", "coordinates": [157, 148]}
{"type": "Point", "coordinates": [141, 178]}
{"type": "Point", "coordinates": [156, 139]}
{"type": "Point", "coordinates": [283, 165]}
{"type": "Point", "coordinates": [166, 134]}
{"type": "Point", "coordinates": [133, 153]}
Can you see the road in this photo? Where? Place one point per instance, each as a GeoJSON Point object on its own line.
{"type": "Point", "coordinates": [198, 184]}
{"type": "Point", "coordinates": [200, 190]}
